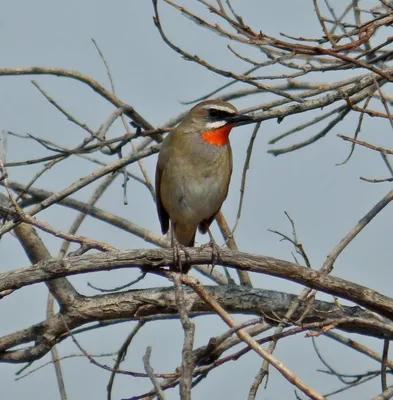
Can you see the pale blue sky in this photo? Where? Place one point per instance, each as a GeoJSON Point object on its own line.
{"type": "Point", "coordinates": [325, 200]}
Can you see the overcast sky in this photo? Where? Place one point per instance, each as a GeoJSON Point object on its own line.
{"type": "Point", "coordinates": [325, 200]}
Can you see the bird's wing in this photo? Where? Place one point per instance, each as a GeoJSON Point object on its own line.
{"type": "Point", "coordinates": [162, 214]}
{"type": "Point", "coordinates": [205, 224]}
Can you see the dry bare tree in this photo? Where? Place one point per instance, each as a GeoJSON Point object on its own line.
{"type": "Point", "coordinates": [353, 38]}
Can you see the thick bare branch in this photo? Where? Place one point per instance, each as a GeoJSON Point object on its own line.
{"type": "Point", "coordinates": [151, 260]}
{"type": "Point", "coordinates": [156, 303]}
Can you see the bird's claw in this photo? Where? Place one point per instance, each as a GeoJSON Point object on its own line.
{"type": "Point", "coordinates": [177, 264]}
{"type": "Point", "coordinates": [216, 251]}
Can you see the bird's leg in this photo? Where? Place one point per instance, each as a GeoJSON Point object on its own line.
{"type": "Point", "coordinates": [176, 252]}
{"type": "Point", "coordinates": [216, 250]}
{"type": "Point", "coordinates": [176, 247]}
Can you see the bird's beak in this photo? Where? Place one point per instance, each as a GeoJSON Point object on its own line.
{"type": "Point", "coordinates": [239, 119]}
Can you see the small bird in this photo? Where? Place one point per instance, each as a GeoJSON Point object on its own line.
{"type": "Point", "coordinates": [194, 170]}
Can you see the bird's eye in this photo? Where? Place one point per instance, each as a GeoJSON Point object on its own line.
{"type": "Point", "coordinates": [213, 113]}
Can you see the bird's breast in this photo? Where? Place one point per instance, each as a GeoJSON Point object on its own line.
{"type": "Point", "coordinates": [194, 186]}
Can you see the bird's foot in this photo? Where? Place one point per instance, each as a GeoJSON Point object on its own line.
{"type": "Point", "coordinates": [216, 250]}
{"type": "Point", "coordinates": [177, 264]}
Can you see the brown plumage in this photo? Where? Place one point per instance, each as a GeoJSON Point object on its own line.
{"type": "Point", "coordinates": [194, 169]}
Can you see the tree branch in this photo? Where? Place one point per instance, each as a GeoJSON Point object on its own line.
{"type": "Point", "coordinates": [150, 260]}
{"type": "Point", "coordinates": [158, 303]}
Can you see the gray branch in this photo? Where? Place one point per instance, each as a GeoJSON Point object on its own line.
{"type": "Point", "coordinates": [159, 303]}
{"type": "Point", "coordinates": [152, 260]}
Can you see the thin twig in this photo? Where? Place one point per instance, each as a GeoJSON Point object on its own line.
{"type": "Point", "coordinates": [198, 288]}
{"type": "Point", "coordinates": [121, 354]}
{"type": "Point", "coordinates": [385, 356]}
{"type": "Point", "coordinates": [329, 262]}
{"type": "Point", "coordinates": [149, 370]}
{"type": "Point", "coordinates": [188, 361]}
{"type": "Point", "coordinates": [244, 174]}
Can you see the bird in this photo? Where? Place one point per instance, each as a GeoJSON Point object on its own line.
{"type": "Point", "coordinates": [194, 170]}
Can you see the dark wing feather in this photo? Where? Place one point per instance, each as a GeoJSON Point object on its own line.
{"type": "Point", "coordinates": [162, 214]}
{"type": "Point", "coordinates": [205, 224]}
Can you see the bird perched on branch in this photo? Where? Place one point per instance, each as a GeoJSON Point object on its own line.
{"type": "Point", "coordinates": [194, 170]}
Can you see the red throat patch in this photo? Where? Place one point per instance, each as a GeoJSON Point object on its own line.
{"type": "Point", "coordinates": [218, 137]}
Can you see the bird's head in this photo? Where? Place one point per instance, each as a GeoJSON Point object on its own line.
{"type": "Point", "coordinates": [213, 120]}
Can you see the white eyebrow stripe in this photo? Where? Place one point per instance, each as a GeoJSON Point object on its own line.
{"type": "Point", "coordinates": [215, 125]}
{"type": "Point", "coordinates": [221, 108]}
